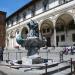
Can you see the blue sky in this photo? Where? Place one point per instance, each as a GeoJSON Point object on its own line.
{"type": "Point", "coordinates": [11, 6]}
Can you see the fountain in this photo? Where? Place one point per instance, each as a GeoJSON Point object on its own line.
{"type": "Point", "coordinates": [32, 43]}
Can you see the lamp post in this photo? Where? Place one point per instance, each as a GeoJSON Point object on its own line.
{"type": "Point", "coordinates": [47, 51]}
{"type": "Point", "coordinates": [46, 68]}
{"type": "Point", "coordinates": [46, 60]}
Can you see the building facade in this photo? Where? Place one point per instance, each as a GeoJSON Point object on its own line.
{"type": "Point", "coordinates": [55, 18]}
{"type": "Point", "coordinates": [2, 29]}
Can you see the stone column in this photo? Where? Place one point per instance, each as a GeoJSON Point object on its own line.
{"type": "Point", "coordinates": [54, 33]}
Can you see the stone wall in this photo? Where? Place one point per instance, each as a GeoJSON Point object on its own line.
{"type": "Point", "coordinates": [2, 28]}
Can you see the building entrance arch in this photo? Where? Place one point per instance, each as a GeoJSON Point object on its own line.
{"type": "Point", "coordinates": [24, 32]}
{"type": "Point", "coordinates": [46, 30]}
{"type": "Point", "coordinates": [64, 23]}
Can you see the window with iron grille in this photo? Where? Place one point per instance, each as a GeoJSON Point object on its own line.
{"type": "Point", "coordinates": [57, 38]}
{"type": "Point", "coordinates": [73, 37]}
{"type": "Point", "coordinates": [62, 38]}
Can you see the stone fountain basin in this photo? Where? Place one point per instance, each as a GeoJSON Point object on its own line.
{"type": "Point", "coordinates": [32, 66]}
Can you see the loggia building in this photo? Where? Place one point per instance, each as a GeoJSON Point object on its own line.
{"type": "Point", "coordinates": [55, 18]}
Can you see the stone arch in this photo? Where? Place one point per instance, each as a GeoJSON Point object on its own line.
{"type": "Point", "coordinates": [65, 13]}
{"type": "Point", "coordinates": [64, 20]}
{"type": "Point", "coordinates": [65, 17]}
{"type": "Point", "coordinates": [24, 32]}
{"type": "Point", "coordinates": [46, 24]}
{"type": "Point", "coordinates": [46, 29]}
{"type": "Point", "coordinates": [64, 23]}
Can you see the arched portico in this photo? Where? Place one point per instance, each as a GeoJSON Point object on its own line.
{"type": "Point", "coordinates": [64, 19]}
{"type": "Point", "coordinates": [46, 29]}
{"type": "Point", "coordinates": [64, 24]}
{"type": "Point", "coordinates": [24, 32]}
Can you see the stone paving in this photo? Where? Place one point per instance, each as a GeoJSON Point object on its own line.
{"type": "Point", "coordinates": [52, 54]}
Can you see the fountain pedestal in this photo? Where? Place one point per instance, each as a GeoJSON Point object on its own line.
{"type": "Point", "coordinates": [34, 59]}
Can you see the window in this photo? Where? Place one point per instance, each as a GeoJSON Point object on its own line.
{"type": "Point", "coordinates": [64, 1]}
{"type": "Point", "coordinates": [61, 1]}
{"type": "Point", "coordinates": [18, 17]}
{"type": "Point", "coordinates": [60, 28]}
{"type": "Point", "coordinates": [7, 22]}
{"type": "Point", "coordinates": [33, 10]}
{"type": "Point", "coordinates": [73, 37]}
{"type": "Point", "coordinates": [24, 15]}
{"type": "Point", "coordinates": [45, 2]}
{"type": "Point", "coordinates": [57, 38]}
{"type": "Point", "coordinates": [67, 1]}
{"type": "Point", "coordinates": [71, 25]}
{"type": "Point", "coordinates": [11, 20]}
{"type": "Point", "coordinates": [62, 37]}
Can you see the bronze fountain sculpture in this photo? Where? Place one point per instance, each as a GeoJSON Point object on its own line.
{"type": "Point", "coordinates": [33, 42]}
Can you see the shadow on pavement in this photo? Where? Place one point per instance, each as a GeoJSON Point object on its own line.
{"type": "Point", "coordinates": [2, 73]}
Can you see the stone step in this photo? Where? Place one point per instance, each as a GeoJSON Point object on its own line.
{"type": "Point", "coordinates": [49, 66]}
{"type": "Point", "coordinates": [60, 69]}
{"type": "Point", "coordinates": [64, 72]}
{"type": "Point", "coordinates": [57, 69]}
